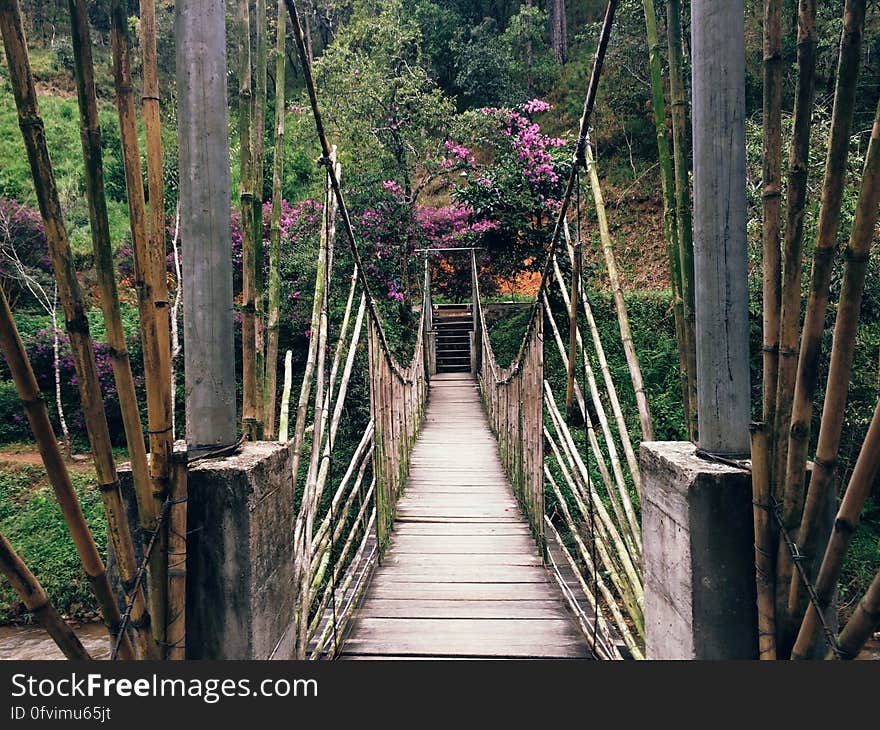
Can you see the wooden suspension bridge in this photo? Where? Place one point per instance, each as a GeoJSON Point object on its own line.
{"type": "Point", "coordinates": [470, 521]}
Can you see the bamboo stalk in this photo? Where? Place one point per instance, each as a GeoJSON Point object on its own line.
{"type": "Point", "coordinates": [584, 553]}
{"type": "Point", "coordinates": [631, 541]}
{"type": "Point", "coordinates": [573, 331]}
{"type": "Point", "coordinates": [160, 380]}
{"type": "Point", "coordinates": [764, 568]}
{"type": "Point", "coordinates": [792, 254]}
{"type": "Point", "coordinates": [285, 397]}
{"type": "Point", "coordinates": [609, 546]}
{"type": "Point", "coordinates": [74, 310]}
{"type": "Point", "coordinates": [34, 597]}
{"type": "Point", "coordinates": [273, 318]}
{"type": "Point", "coordinates": [792, 244]}
{"type": "Point", "coordinates": [259, 123]}
{"type": "Point", "coordinates": [176, 622]}
{"type": "Point", "coordinates": [157, 375]}
{"type": "Point", "coordinates": [103, 252]}
{"type": "Point", "coordinates": [611, 390]}
{"type": "Point", "coordinates": [684, 224]}
{"type": "Point", "coordinates": [842, 350]}
{"type": "Point", "coordinates": [826, 245]}
{"type": "Point", "coordinates": [667, 186]}
{"type": "Point", "coordinates": [38, 418]}
{"type": "Point", "coordinates": [162, 444]}
{"type": "Point", "coordinates": [857, 492]}
{"type": "Point", "coordinates": [603, 647]}
{"type": "Point", "coordinates": [620, 498]}
{"type": "Point", "coordinates": [632, 359]}
{"type": "Point", "coordinates": [771, 203]}
{"type": "Point", "coordinates": [863, 622]}
{"type": "Point", "coordinates": [246, 202]}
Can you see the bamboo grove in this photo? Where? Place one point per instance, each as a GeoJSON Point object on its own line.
{"type": "Point", "coordinates": [569, 456]}
{"type": "Point", "coordinates": [150, 621]}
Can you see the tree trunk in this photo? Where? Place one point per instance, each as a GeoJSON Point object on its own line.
{"type": "Point", "coordinates": [559, 31]}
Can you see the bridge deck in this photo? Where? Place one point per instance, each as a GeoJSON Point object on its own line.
{"type": "Point", "coordinates": [462, 577]}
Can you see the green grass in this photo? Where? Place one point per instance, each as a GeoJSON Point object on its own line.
{"type": "Point", "coordinates": [61, 118]}
{"type": "Point", "coordinates": [31, 519]}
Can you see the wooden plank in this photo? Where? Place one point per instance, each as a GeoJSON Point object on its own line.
{"type": "Point", "coordinates": [414, 608]}
{"type": "Point", "coordinates": [462, 577]}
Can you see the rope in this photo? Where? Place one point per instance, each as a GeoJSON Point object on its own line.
{"type": "Point", "coordinates": [577, 157]}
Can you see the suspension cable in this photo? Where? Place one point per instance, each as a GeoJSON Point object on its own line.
{"type": "Point", "coordinates": [337, 190]}
{"type": "Point", "coordinates": [578, 160]}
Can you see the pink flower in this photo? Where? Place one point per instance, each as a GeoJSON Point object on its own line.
{"type": "Point", "coordinates": [535, 106]}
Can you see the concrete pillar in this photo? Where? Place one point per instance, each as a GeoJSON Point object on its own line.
{"type": "Point", "coordinates": [239, 564]}
{"type": "Point", "coordinates": [698, 556]}
{"type": "Point", "coordinates": [722, 338]}
{"type": "Point", "coordinates": [205, 234]}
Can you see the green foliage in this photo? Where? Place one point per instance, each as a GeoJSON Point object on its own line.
{"type": "Point", "coordinates": [32, 521]}
{"type": "Point", "coordinates": [61, 118]}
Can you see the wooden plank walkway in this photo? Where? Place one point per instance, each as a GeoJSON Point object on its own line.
{"type": "Point", "coordinates": [462, 577]}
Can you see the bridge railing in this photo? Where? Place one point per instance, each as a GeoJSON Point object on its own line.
{"type": "Point", "coordinates": [513, 400]}
{"type": "Point", "coordinates": [348, 531]}
{"type": "Point", "coordinates": [397, 406]}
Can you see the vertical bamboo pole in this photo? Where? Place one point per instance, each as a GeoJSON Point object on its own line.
{"type": "Point", "coordinates": [795, 210]}
{"type": "Point", "coordinates": [771, 203]}
{"type": "Point", "coordinates": [684, 224]}
{"type": "Point", "coordinates": [176, 621]}
{"type": "Point", "coordinates": [573, 330]}
{"type": "Point", "coordinates": [259, 123]}
{"type": "Point", "coordinates": [38, 418]}
{"type": "Point", "coordinates": [161, 438]}
{"type": "Point", "coordinates": [764, 568]}
{"type": "Point", "coordinates": [842, 350]}
{"type": "Point", "coordinates": [32, 130]}
{"type": "Point", "coordinates": [275, 227]}
{"type": "Point", "coordinates": [246, 201]}
{"type": "Point", "coordinates": [826, 245]}
{"type": "Point", "coordinates": [632, 359]}
{"type": "Point", "coordinates": [284, 418]}
{"type": "Point", "coordinates": [158, 377]}
{"type": "Point", "coordinates": [158, 253]}
{"type": "Point", "coordinates": [667, 186]}
{"type": "Point", "coordinates": [34, 597]}
{"type": "Point", "coordinates": [102, 248]}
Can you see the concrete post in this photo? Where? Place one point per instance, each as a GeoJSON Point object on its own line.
{"type": "Point", "coordinates": [723, 397]}
{"type": "Point", "coordinates": [698, 556]}
{"type": "Point", "coordinates": [203, 137]}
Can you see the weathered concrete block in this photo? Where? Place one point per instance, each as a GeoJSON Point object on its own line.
{"type": "Point", "coordinates": [239, 581]}
{"type": "Point", "coordinates": [698, 540]}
